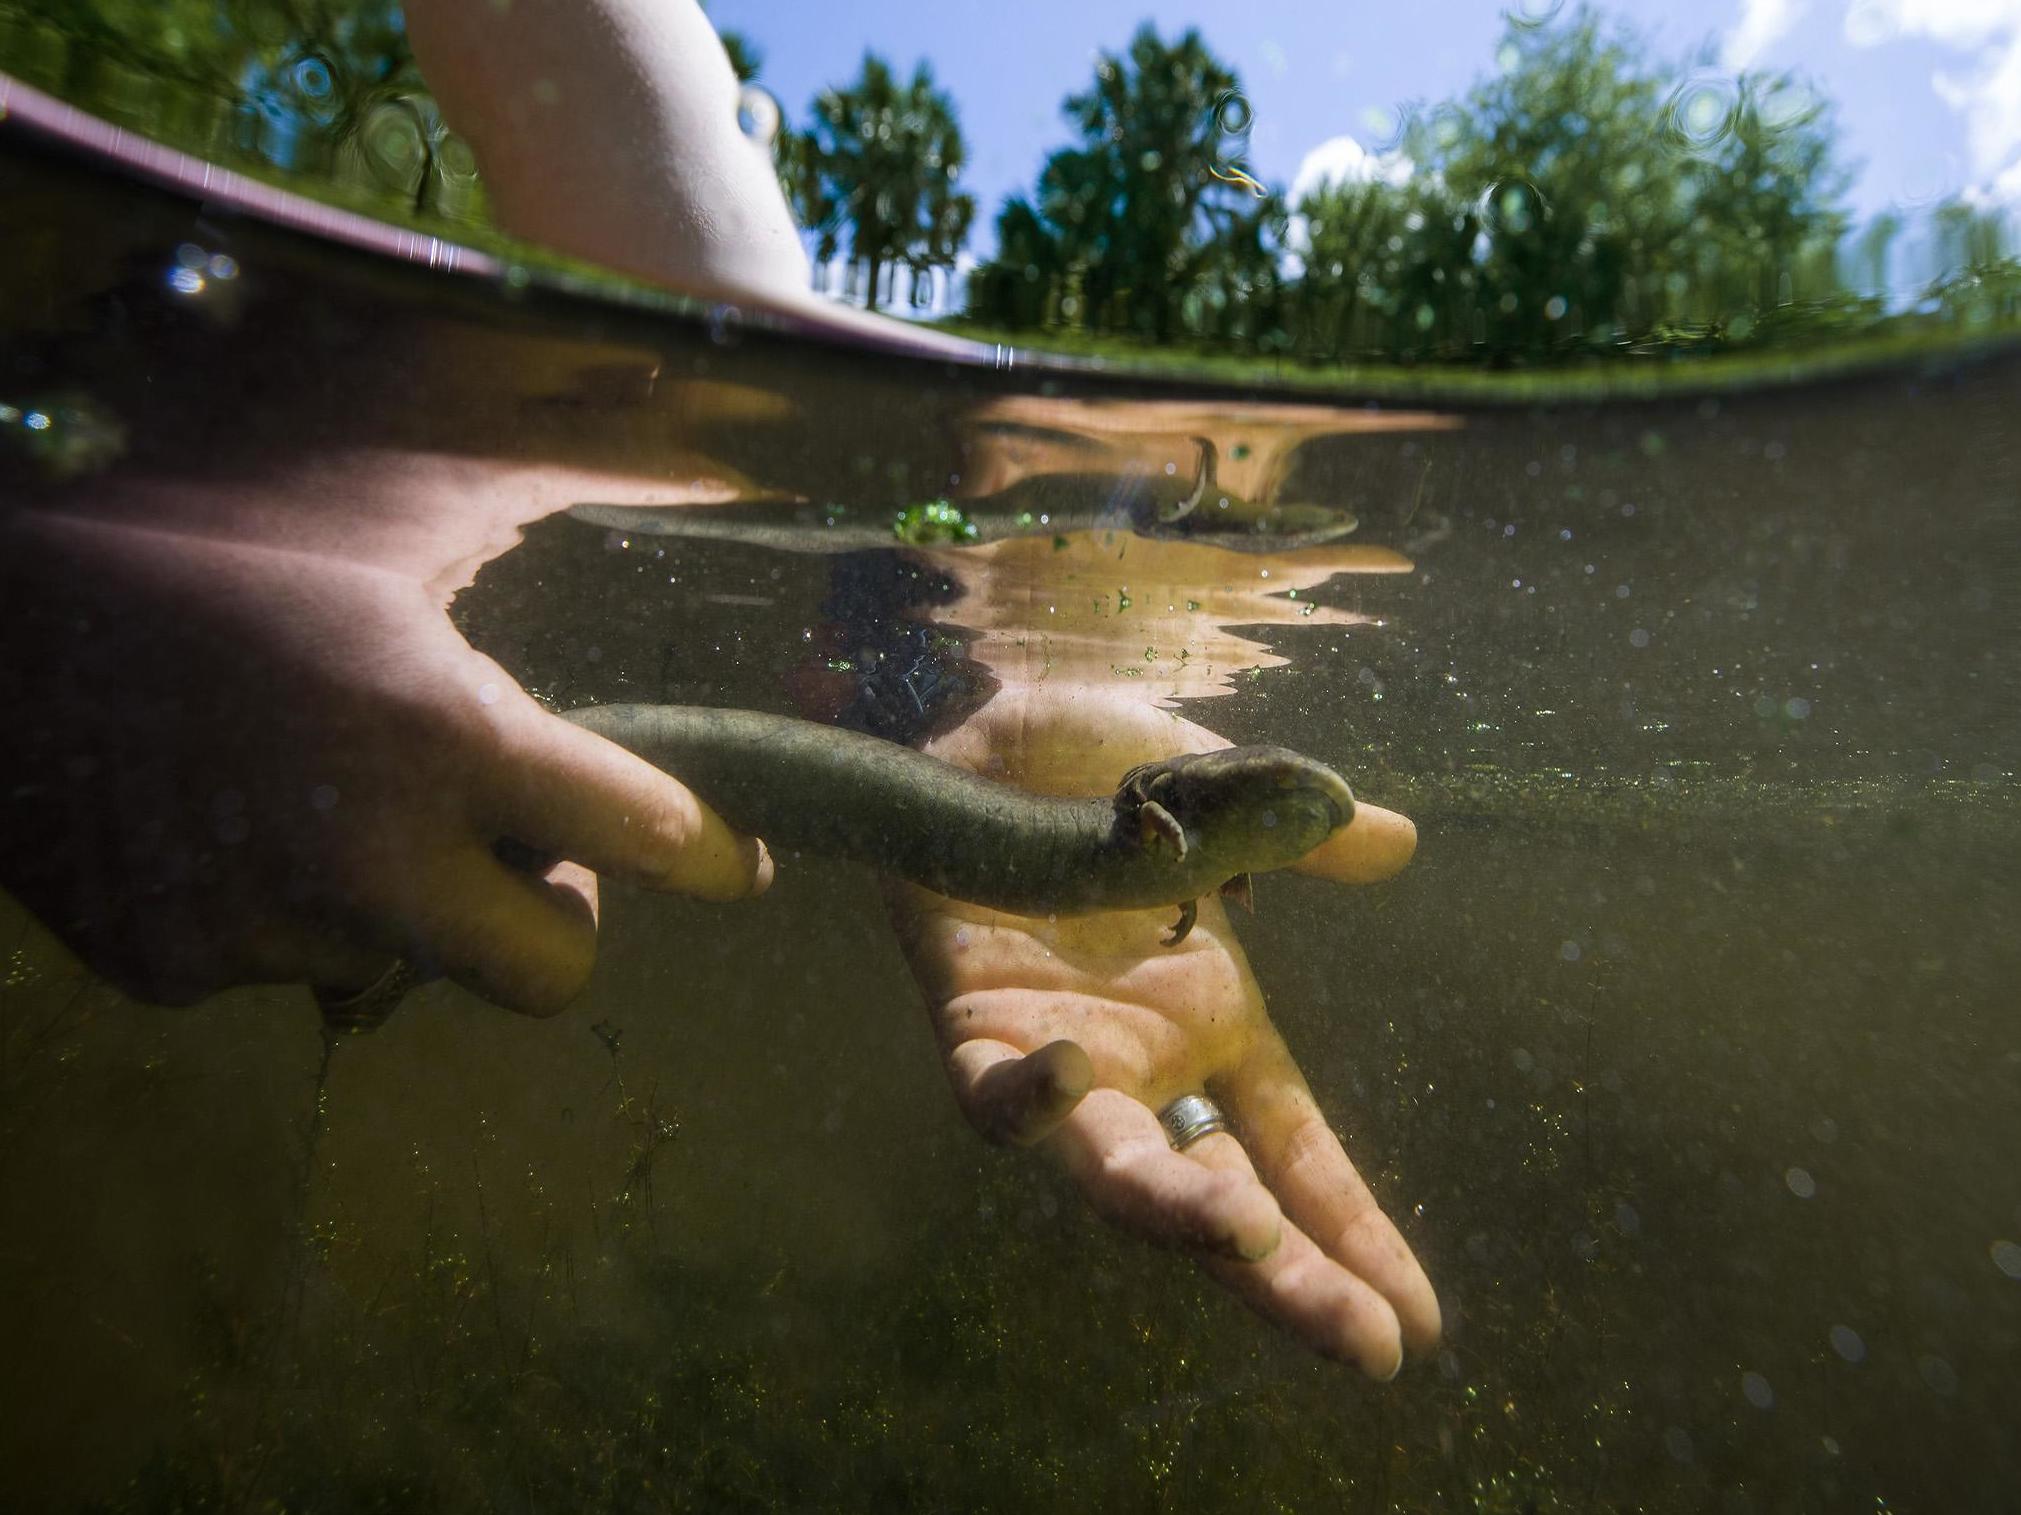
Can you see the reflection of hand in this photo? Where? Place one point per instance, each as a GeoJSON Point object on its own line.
{"type": "Point", "coordinates": [234, 764]}
{"type": "Point", "coordinates": [1072, 1033]}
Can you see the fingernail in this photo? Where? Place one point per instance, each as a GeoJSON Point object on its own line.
{"type": "Point", "coordinates": [1270, 1245]}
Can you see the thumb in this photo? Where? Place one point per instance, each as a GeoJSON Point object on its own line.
{"type": "Point", "coordinates": [566, 792]}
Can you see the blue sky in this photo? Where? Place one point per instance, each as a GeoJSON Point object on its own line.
{"type": "Point", "coordinates": [1928, 91]}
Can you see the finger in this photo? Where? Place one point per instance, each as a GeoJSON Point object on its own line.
{"type": "Point", "coordinates": [524, 942]}
{"type": "Point", "coordinates": [1376, 845]}
{"type": "Point", "coordinates": [570, 793]}
{"type": "Point", "coordinates": [291, 951]}
{"type": "Point", "coordinates": [1016, 1097]}
{"type": "Point", "coordinates": [573, 878]}
{"type": "Point", "coordinates": [1302, 1290]}
{"type": "Point", "coordinates": [1303, 1162]}
{"type": "Point", "coordinates": [1116, 1151]}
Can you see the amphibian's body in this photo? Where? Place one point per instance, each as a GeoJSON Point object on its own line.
{"type": "Point", "coordinates": [1172, 832]}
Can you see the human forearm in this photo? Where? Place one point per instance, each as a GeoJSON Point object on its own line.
{"type": "Point", "coordinates": [608, 129]}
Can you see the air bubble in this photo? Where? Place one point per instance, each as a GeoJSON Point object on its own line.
{"type": "Point", "coordinates": [1233, 115]}
{"type": "Point", "coordinates": [1846, 1342]}
{"type": "Point", "coordinates": [758, 114]}
{"type": "Point", "coordinates": [312, 77]}
{"type": "Point", "coordinates": [395, 144]}
{"type": "Point", "coordinates": [1512, 207]}
{"type": "Point", "coordinates": [1531, 14]}
{"type": "Point", "coordinates": [1386, 127]}
{"type": "Point", "coordinates": [1699, 114]}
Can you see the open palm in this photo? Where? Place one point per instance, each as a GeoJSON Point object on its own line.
{"type": "Point", "coordinates": [1071, 1033]}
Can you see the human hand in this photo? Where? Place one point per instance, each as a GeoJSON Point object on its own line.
{"type": "Point", "coordinates": [233, 763]}
{"type": "Point", "coordinates": [1070, 1034]}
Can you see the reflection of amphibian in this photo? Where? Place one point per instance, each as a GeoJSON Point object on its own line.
{"type": "Point", "coordinates": [1173, 830]}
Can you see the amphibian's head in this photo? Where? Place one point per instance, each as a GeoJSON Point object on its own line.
{"type": "Point", "coordinates": [1248, 808]}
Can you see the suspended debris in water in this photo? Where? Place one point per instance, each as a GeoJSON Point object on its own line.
{"type": "Point", "coordinates": [932, 524]}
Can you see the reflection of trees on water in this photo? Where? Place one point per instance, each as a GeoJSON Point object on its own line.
{"type": "Point", "coordinates": [324, 90]}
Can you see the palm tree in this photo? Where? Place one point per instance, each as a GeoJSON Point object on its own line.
{"type": "Point", "coordinates": [882, 161]}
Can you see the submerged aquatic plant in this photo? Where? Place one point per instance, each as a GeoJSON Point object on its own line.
{"type": "Point", "coordinates": [933, 524]}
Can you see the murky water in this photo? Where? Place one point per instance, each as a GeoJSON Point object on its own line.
{"type": "Point", "coordinates": [1684, 1052]}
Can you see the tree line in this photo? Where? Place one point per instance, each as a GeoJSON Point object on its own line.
{"type": "Point", "coordinates": [1581, 198]}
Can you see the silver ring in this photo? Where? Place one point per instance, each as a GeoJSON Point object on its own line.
{"type": "Point", "coordinates": [357, 1010]}
{"type": "Point", "coordinates": [1190, 1117]}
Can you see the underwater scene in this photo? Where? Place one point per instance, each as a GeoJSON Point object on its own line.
{"type": "Point", "coordinates": [1623, 1060]}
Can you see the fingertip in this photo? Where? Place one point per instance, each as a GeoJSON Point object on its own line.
{"type": "Point", "coordinates": [1382, 1356]}
{"type": "Point", "coordinates": [1376, 845]}
{"type": "Point", "coordinates": [526, 943]}
{"type": "Point", "coordinates": [705, 859]}
{"type": "Point", "coordinates": [1068, 1070]}
{"type": "Point", "coordinates": [1376, 1350]}
{"type": "Point", "coordinates": [539, 989]}
{"type": "Point", "coordinates": [1023, 1099]}
{"type": "Point", "coordinates": [1385, 842]}
{"type": "Point", "coordinates": [1251, 1225]}
{"type": "Point", "coordinates": [1404, 843]}
{"type": "Point", "coordinates": [1256, 1245]}
{"type": "Point", "coordinates": [1423, 1322]}
{"type": "Point", "coordinates": [580, 882]}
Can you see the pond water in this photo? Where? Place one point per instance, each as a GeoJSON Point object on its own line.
{"type": "Point", "coordinates": [1684, 1052]}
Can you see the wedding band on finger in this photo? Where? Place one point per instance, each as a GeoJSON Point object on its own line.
{"type": "Point", "coordinates": [355, 1011]}
{"type": "Point", "coordinates": [1190, 1117]}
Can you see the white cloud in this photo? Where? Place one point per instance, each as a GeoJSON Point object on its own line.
{"type": "Point", "coordinates": [1763, 23]}
{"type": "Point", "coordinates": [1337, 160]}
{"type": "Point", "coordinates": [1985, 89]}
{"type": "Point", "coordinates": [1342, 160]}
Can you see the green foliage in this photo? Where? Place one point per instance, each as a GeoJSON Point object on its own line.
{"type": "Point", "coordinates": [1132, 222]}
{"type": "Point", "coordinates": [326, 89]}
{"type": "Point", "coordinates": [932, 523]}
{"type": "Point", "coordinates": [1580, 199]}
{"type": "Point", "coordinates": [882, 162]}
{"type": "Point", "coordinates": [1599, 194]}
{"type": "Point", "coordinates": [1583, 199]}
{"type": "Point", "coordinates": [746, 57]}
